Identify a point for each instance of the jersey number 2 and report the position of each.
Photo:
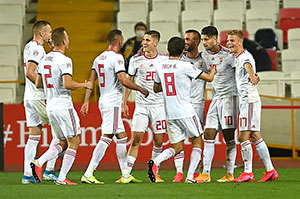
(102, 84)
(170, 84)
(49, 75)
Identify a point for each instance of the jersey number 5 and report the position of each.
(102, 84)
(170, 84)
(49, 75)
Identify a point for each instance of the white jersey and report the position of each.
(144, 70)
(198, 85)
(223, 84)
(52, 68)
(176, 77)
(247, 92)
(107, 65)
(33, 52)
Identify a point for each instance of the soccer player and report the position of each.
(173, 77)
(55, 74)
(223, 110)
(250, 110)
(34, 101)
(142, 68)
(109, 68)
(192, 55)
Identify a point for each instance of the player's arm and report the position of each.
(88, 92)
(30, 71)
(127, 92)
(69, 83)
(157, 87)
(209, 77)
(129, 84)
(254, 78)
(38, 81)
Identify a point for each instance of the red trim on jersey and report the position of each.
(113, 51)
(173, 58)
(213, 53)
(36, 42)
(241, 53)
(199, 55)
(57, 51)
(115, 120)
(151, 57)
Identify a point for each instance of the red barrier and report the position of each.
(16, 135)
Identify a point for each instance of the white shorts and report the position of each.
(65, 123)
(222, 113)
(180, 129)
(35, 112)
(200, 111)
(249, 118)
(112, 122)
(154, 114)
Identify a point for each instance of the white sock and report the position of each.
(97, 156)
(263, 152)
(230, 156)
(194, 162)
(52, 152)
(121, 152)
(208, 155)
(165, 155)
(178, 160)
(67, 163)
(51, 163)
(156, 151)
(30, 152)
(130, 163)
(247, 155)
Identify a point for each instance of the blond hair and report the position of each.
(238, 33)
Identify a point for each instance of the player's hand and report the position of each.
(254, 79)
(125, 110)
(145, 92)
(89, 85)
(84, 108)
(212, 70)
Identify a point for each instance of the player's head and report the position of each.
(175, 46)
(235, 41)
(115, 38)
(60, 38)
(209, 36)
(150, 40)
(191, 40)
(140, 28)
(42, 29)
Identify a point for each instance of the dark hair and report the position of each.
(195, 32)
(238, 33)
(175, 46)
(140, 24)
(111, 37)
(209, 31)
(153, 33)
(38, 25)
(58, 35)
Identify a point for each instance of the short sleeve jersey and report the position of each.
(33, 52)
(198, 85)
(52, 68)
(144, 70)
(175, 77)
(247, 92)
(107, 65)
(223, 84)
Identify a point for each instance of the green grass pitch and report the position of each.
(287, 186)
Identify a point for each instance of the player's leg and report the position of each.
(229, 137)
(50, 174)
(137, 138)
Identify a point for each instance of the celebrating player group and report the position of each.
(170, 97)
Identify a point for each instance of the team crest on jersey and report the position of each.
(212, 59)
(35, 53)
(221, 58)
(120, 62)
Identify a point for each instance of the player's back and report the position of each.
(107, 65)
(144, 69)
(176, 77)
(33, 52)
(52, 68)
(224, 81)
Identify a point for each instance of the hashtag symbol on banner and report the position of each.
(7, 133)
